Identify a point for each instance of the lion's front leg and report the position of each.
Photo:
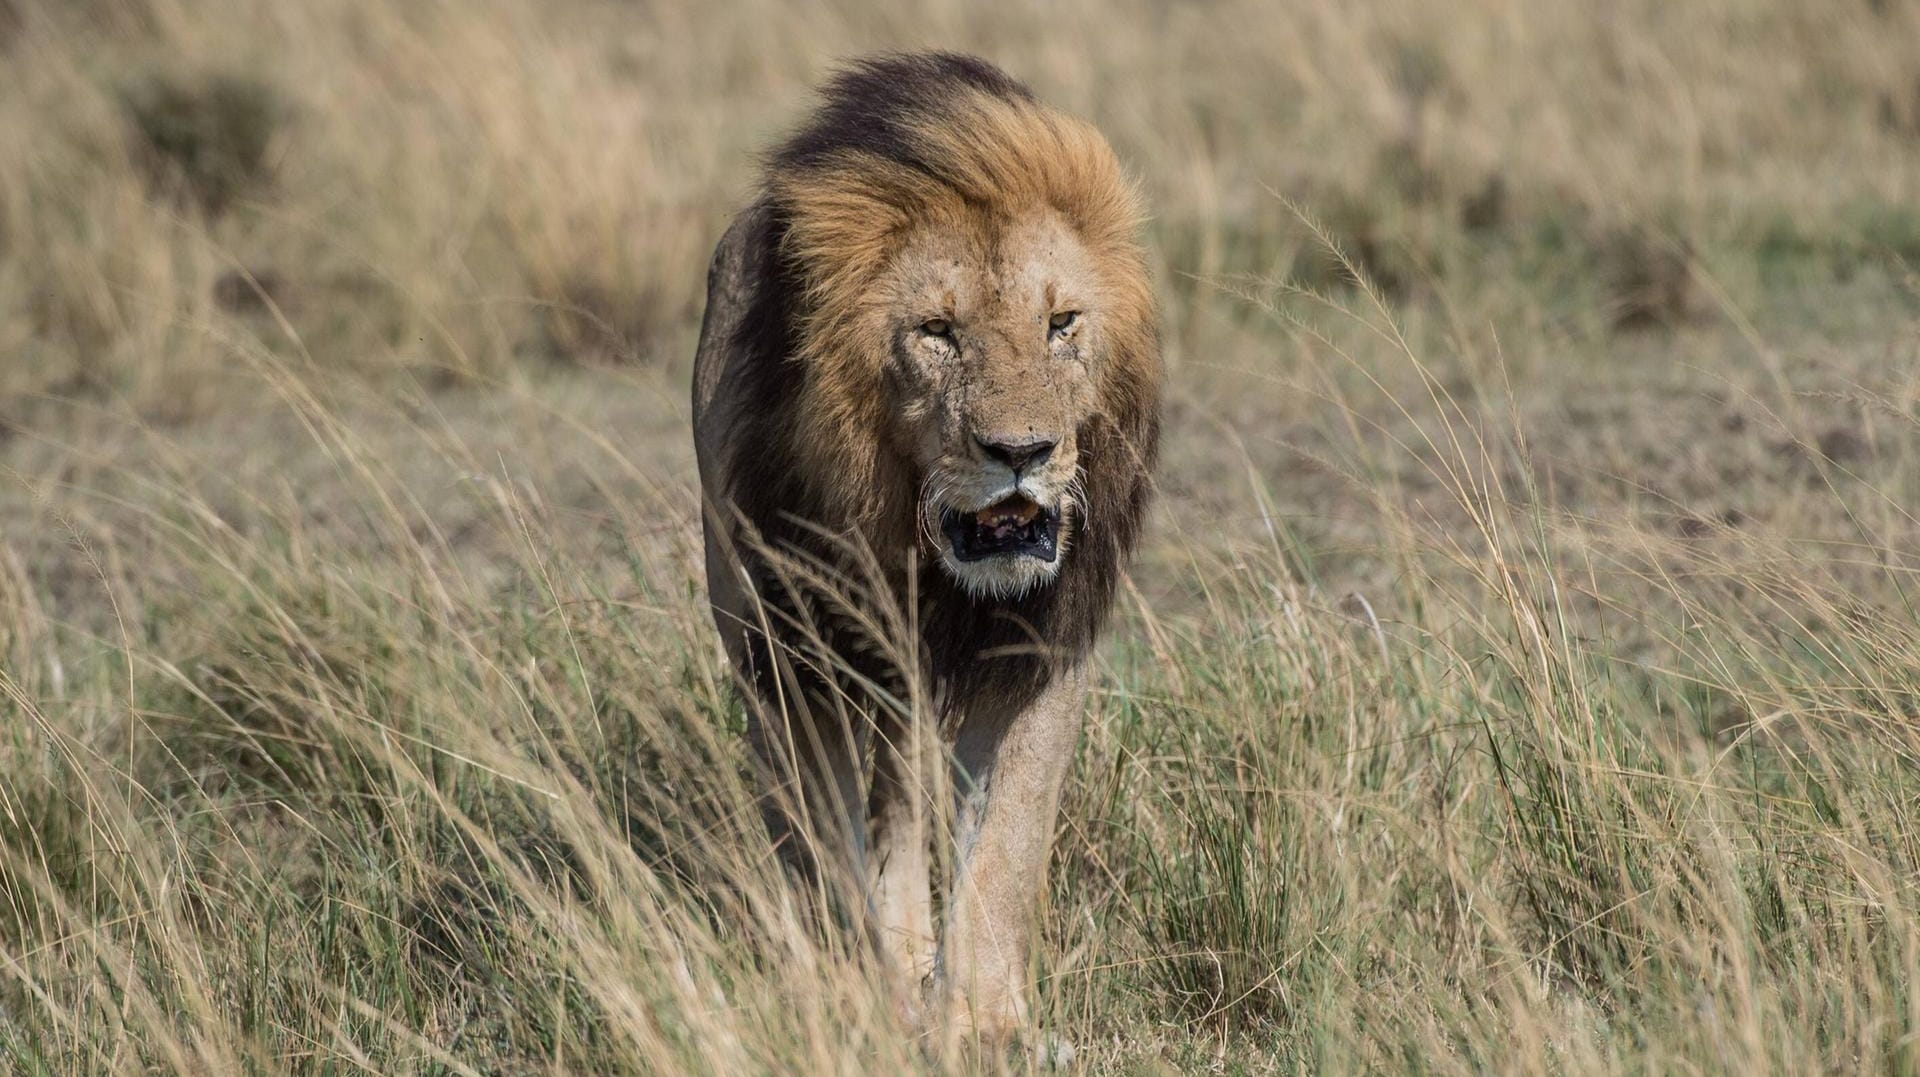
(816, 803)
(1010, 774)
(901, 855)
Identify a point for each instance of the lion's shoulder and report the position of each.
(731, 291)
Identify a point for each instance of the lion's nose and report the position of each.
(1017, 453)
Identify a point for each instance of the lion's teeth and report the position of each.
(1013, 510)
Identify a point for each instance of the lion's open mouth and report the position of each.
(1015, 527)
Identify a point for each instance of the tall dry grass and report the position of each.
(1518, 677)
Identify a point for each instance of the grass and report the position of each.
(1518, 674)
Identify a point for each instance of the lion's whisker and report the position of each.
(931, 500)
(1077, 493)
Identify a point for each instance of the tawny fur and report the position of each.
(830, 434)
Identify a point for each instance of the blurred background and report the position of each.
(460, 192)
(1604, 205)
(1518, 669)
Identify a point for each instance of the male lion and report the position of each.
(928, 380)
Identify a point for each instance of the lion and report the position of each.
(926, 413)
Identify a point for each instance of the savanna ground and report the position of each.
(1521, 672)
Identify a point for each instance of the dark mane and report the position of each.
(871, 106)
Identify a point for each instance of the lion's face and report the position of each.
(996, 341)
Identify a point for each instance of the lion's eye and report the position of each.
(1063, 321)
(936, 327)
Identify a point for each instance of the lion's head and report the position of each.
(975, 329)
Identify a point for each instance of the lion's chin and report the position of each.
(1004, 550)
(1000, 578)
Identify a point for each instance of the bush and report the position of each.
(204, 138)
